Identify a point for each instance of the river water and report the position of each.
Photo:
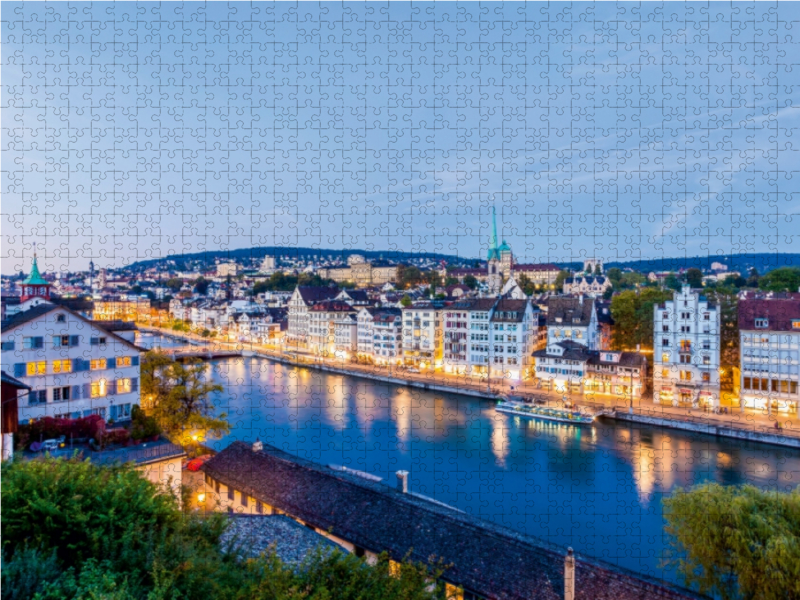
(596, 488)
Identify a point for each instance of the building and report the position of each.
(422, 334)
(121, 310)
(228, 269)
(513, 330)
(586, 285)
(34, 285)
(362, 272)
(466, 336)
(769, 330)
(499, 260)
(365, 516)
(267, 265)
(574, 319)
(73, 366)
(686, 350)
(303, 298)
(345, 336)
(387, 334)
(322, 318)
(10, 388)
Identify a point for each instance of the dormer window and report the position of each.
(762, 323)
(60, 318)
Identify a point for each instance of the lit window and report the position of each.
(99, 389)
(123, 386)
(97, 364)
(62, 366)
(36, 368)
(123, 361)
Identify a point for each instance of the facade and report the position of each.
(321, 325)
(227, 269)
(387, 333)
(588, 285)
(121, 310)
(300, 302)
(465, 335)
(769, 330)
(513, 329)
(74, 367)
(267, 265)
(345, 336)
(422, 335)
(686, 351)
(10, 389)
(364, 333)
(361, 272)
(573, 319)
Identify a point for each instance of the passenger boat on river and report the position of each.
(521, 408)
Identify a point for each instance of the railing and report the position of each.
(124, 455)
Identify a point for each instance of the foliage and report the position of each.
(728, 302)
(49, 427)
(470, 282)
(672, 282)
(73, 530)
(632, 311)
(408, 277)
(280, 282)
(525, 284)
(201, 285)
(736, 542)
(177, 396)
(614, 275)
(694, 277)
(406, 301)
(143, 426)
(174, 283)
(562, 275)
(785, 279)
(753, 278)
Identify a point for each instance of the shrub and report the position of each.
(26, 572)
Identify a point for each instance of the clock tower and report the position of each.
(35, 285)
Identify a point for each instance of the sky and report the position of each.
(133, 131)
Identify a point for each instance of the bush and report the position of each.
(75, 530)
(142, 426)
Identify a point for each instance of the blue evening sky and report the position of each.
(136, 130)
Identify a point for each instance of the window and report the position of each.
(36, 368)
(665, 328)
(7, 346)
(97, 364)
(216, 486)
(61, 318)
(665, 357)
(359, 552)
(32, 343)
(97, 341)
(706, 377)
(259, 507)
(762, 323)
(123, 361)
(686, 359)
(124, 386)
(686, 375)
(686, 346)
(244, 499)
(665, 343)
(795, 325)
(61, 394)
(664, 373)
(231, 493)
(37, 397)
(706, 360)
(65, 341)
(62, 366)
(99, 389)
(746, 384)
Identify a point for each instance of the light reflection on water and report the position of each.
(597, 488)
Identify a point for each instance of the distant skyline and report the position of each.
(135, 130)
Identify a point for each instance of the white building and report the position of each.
(387, 330)
(267, 265)
(465, 335)
(228, 269)
(513, 328)
(301, 301)
(769, 330)
(345, 336)
(574, 319)
(422, 334)
(322, 318)
(74, 367)
(686, 350)
(588, 285)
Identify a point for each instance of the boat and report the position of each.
(561, 415)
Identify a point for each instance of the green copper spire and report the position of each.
(35, 278)
(493, 240)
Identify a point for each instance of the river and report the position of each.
(596, 488)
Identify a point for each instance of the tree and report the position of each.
(734, 281)
(598, 271)
(736, 542)
(694, 277)
(201, 285)
(174, 283)
(672, 282)
(753, 278)
(408, 276)
(632, 279)
(614, 275)
(406, 301)
(562, 275)
(632, 311)
(728, 302)
(785, 279)
(525, 284)
(177, 396)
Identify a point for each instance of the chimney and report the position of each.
(257, 446)
(402, 481)
(569, 575)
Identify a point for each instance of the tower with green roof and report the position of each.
(35, 286)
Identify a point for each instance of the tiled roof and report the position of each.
(312, 295)
(779, 312)
(568, 310)
(534, 267)
(26, 316)
(332, 306)
(509, 311)
(116, 325)
(482, 304)
(485, 558)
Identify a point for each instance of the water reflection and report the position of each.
(597, 488)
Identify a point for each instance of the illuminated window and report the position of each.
(99, 389)
(124, 361)
(36, 368)
(686, 375)
(62, 366)
(665, 357)
(123, 386)
(97, 364)
(665, 373)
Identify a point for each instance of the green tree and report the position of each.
(614, 275)
(632, 311)
(470, 281)
(174, 283)
(785, 279)
(598, 271)
(694, 277)
(728, 302)
(632, 279)
(408, 276)
(734, 281)
(562, 275)
(736, 542)
(201, 285)
(753, 278)
(177, 395)
(406, 301)
(672, 282)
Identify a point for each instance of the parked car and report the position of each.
(412, 370)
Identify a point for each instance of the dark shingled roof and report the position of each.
(509, 311)
(779, 312)
(312, 295)
(482, 304)
(568, 310)
(116, 325)
(486, 558)
(26, 316)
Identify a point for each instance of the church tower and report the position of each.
(495, 276)
(35, 285)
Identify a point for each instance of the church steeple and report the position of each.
(35, 286)
(493, 253)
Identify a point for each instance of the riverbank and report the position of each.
(746, 426)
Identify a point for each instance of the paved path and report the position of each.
(749, 419)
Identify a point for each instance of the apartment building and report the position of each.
(769, 330)
(465, 335)
(73, 366)
(513, 330)
(303, 298)
(345, 335)
(322, 318)
(686, 350)
(387, 335)
(422, 334)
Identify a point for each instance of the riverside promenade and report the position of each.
(750, 425)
